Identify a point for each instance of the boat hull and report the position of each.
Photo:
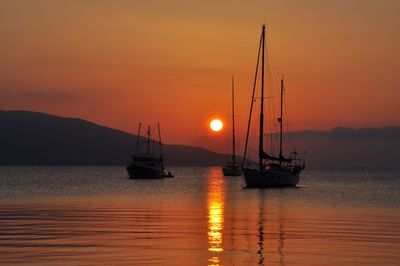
(231, 171)
(254, 178)
(144, 172)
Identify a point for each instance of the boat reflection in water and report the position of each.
(261, 233)
(215, 206)
(271, 231)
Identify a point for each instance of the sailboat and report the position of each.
(147, 164)
(232, 168)
(272, 171)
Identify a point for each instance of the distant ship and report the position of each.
(147, 164)
(232, 168)
(272, 171)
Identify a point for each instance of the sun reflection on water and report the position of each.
(215, 205)
(215, 224)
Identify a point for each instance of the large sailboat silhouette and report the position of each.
(272, 171)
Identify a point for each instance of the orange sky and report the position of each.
(120, 62)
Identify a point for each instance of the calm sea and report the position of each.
(97, 216)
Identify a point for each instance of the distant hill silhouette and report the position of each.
(31, 138)
(341, 147)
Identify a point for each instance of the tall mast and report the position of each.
(280, 120)
(233, 121)
(160, 143)
(137, 138)
(148, 140)
(261, 142)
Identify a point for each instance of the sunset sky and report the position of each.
(117, 63)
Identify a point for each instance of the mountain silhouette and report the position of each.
(32, 138)
(341, 147)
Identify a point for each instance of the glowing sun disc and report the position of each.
(216, 125)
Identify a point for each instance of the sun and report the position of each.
(216, 125)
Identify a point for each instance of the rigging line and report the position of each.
(271, 106)
(252, 153)
(137, 139)
(288, 133)
(252, 100)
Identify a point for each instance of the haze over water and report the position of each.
(97, 216)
